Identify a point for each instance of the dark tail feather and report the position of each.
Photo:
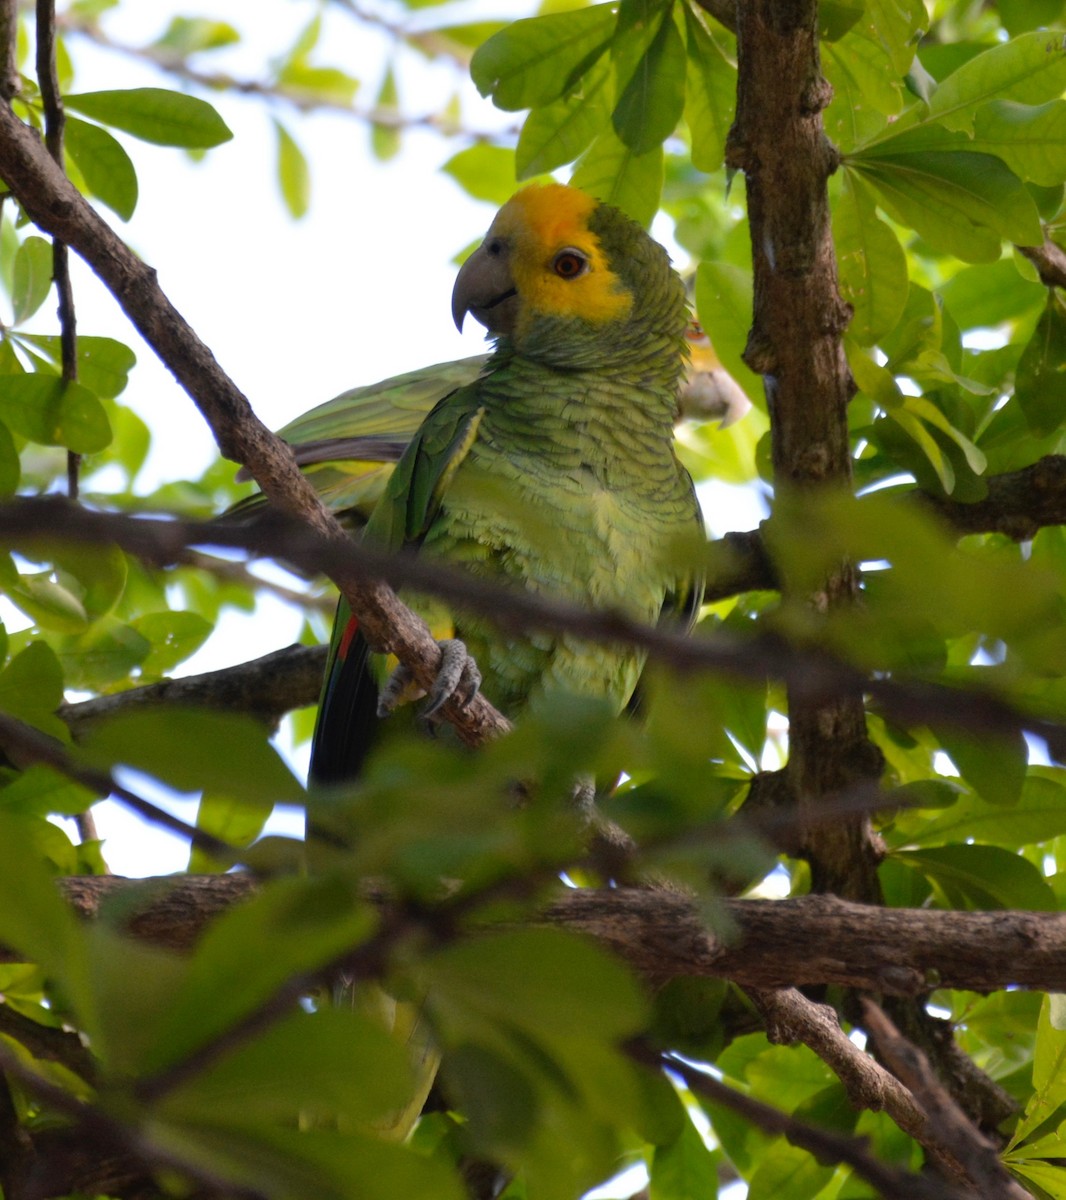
(347, 718)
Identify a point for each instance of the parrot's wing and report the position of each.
(347, 712)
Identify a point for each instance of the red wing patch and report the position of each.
(350, 630)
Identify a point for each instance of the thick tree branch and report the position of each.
(266, 688)
(56, 206)
(807, 941)
(1049, 260)
(796, 344)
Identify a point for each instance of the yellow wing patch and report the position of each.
(540, 221)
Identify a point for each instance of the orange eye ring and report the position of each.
(569, 264)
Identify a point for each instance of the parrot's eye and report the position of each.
(569, 264)
(494, 247)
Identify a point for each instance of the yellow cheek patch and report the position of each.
(541, 220)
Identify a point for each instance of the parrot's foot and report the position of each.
(457, 676)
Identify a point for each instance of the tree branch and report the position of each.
(807, 941)
(1049, 260)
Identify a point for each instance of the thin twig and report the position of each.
(890, 1182)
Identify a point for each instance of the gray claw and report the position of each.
(458, 676)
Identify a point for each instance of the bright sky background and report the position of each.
(295, 312)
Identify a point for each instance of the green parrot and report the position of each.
(553, 468)
(348, 446)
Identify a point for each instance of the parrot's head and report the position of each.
(566, 279)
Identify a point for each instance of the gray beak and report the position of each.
(484, 288)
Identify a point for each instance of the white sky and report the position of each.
(295, 312)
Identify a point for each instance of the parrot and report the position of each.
(347, 446)
(553, 469)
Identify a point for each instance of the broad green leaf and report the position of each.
(865, 90)
(873, 267)
(103, 364)
(384, 137)
(100, 574)
(155, 115)
(650, 104)
(485, 172)
(535, 61)
(33, 277)
(10, 467)
(105, 166)
(979, 877)
(31, 688)
(993, 766)
(1040, 383)
(684, 1168)
(47, 410)
(893, 25)
(236, 822)
(1038, 816)
(104, 654)
(928, 412)
(962, 203)
(1050, 1179)
(327, 1065)
(34, 921)
(836, 17)
(724, 303)
(1049, 1076)
(612, 172)
(555, 134)
(1030, 69)
(194, 749)
(710, 95)
(290, 928)
(42, 791)
(990, 294)
(791, 1172)
(193, 35)
(540, 980)
(294, 175)
(1030, 140)
(173, 636)
(49, 603)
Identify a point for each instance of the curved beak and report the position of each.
(485, 289)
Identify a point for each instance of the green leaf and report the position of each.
(535, 61)
(105, 166)
(555, 134)
(236, 822)
(103, 364)
(710, 95)
(980, 877)
(684, 1168)
(10, 467)
(327, 1065)
(32, 278)
(385, 138)
(291, 927)
(894, 26)
(865, 90)
(538, 979)
(185, 36)
(1038, 816)
(788, 1171)
(173, 636)
(194, 749)
(724, 303)
(612, 172)
(42, 791)
(991, 294)
(47, 410)
(962, 203)
(1040, 382)
(155, 115)
(1030, 140)
(485, 172)
(31, 688)
(48, 603)
(1030, 69)
(1049, 1076)
(34, 921)
(294, 176)
(653, 98)
(102, 655)
(873, 267)
(993, 766)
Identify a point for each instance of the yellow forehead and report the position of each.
(541, 220)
